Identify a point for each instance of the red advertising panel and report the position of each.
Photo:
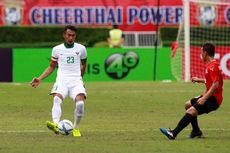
(209, 14)
(130, 15)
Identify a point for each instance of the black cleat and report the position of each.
(197, 134)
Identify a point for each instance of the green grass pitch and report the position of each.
(120, 117)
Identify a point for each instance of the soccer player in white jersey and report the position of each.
(71, 58)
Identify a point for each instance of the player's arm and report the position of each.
(83, 66)
(36, 81)
(197, 80)
(209, 93)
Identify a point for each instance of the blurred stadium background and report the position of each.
(154, 30)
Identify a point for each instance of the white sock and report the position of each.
(78, 113)
(56, 110)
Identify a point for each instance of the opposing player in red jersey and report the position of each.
(209, 101)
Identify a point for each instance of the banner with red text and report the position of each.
(130, 15)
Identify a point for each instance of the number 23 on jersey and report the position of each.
(70, 59)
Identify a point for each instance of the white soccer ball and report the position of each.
(65, 127)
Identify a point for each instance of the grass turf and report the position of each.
(120, 117)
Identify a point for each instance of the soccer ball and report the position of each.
(65, 127)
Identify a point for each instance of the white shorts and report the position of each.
(71, 88)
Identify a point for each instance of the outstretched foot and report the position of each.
(52, 126)
(167, 133)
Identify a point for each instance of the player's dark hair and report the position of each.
(209, 48)
(71, 27)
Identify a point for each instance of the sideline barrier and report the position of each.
(104, 64)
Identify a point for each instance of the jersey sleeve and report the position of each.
(83, 53)
(54, 55)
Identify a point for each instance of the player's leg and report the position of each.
(78, 94)
(56, 109)
(59, 92)
(79, 109)
(209, 105)
(195, 128)
(78, 113)
(185, 120)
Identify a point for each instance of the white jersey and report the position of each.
(69, 60)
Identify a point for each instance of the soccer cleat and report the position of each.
(52, 126)
(197, 134)
(167, 133)
(76, 133)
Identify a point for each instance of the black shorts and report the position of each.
(209, 105)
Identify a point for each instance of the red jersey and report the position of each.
(213, 73)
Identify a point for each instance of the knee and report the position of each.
(57, 100)
(192, 111)
(188, 105)
(80, 97)
(56, 95)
